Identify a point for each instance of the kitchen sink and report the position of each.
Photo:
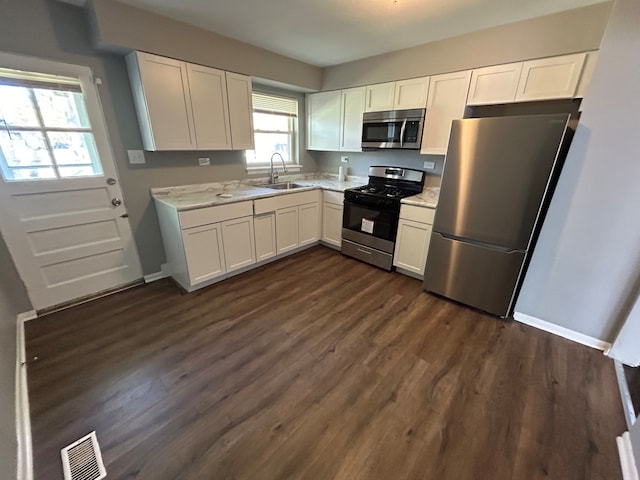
(284, 186)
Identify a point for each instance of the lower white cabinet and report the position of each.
(412, 241)
(264, 226)
(308, 223)
(238, 243)
(332, 209)
(286, 229)
(204, 252)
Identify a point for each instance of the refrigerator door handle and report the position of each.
(489, 246)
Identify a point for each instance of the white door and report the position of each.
(62, 214)
(380, 97)
(332, 224)
(412, 245)
(323, 121)
(240, 111)
(411, 93)
(548, 78)
(204, 251)
(492, 85)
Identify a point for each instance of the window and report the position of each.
(275, 127)
(44, 128)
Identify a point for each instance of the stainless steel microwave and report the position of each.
(393, 129)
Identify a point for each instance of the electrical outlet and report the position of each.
(429, 165)
(344, 159)
(136, 157)
(205, 161)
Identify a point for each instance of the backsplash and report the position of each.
(359, 162)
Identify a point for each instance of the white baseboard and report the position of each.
(625, 395)
(562, 331)
(23, 419)
(156, 276)
(627, 461)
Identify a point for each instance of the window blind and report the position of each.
(278, 105)
(18, 78)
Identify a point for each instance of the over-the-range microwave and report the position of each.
(393, 129)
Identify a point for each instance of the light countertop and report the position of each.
(190, 197)
(428, 198)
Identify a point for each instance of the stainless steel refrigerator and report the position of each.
(498, 178)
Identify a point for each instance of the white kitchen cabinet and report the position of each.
(308, 223)
(351, 110)
(549, 78)
(412, 240)
(161, 95)
(411, 93)
(264, 226)
(240, 111)
(446, 102)
(182, 106)
(491, 85)
(238, 242)
(401, 95)
(380, 97)
(324, 123)
(286, 229)
(587, 72)
(332, 209)
(209, 102)
(204, 252)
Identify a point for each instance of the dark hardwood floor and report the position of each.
(317, 367)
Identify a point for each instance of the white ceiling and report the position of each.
(329, 32)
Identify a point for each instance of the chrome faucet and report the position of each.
(273, 175)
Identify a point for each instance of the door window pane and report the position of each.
(73, 148)
(16, 108)
(31, 173)
(62, 109)
(24, 149)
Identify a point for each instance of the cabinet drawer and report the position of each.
(205, 216)
(417, 214)
(336, 198)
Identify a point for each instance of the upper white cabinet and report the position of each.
(160, 89)
(549, 78)
(380, 97)
(496, 84)
(446, 102)
(324, 123)
(210, 107)
(334, 120)
(411, 93)
(587, 72)
(183, 106)
(351, 110)
(401, 95)
(240, 111)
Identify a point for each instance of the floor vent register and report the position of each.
(82, 460)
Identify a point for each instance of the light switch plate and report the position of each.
(205, 161)
(429, 165)
(344, 159)
(136, 157)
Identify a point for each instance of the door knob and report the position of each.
(116, 202)
(111, 181)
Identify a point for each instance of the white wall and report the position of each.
(13, 299)
(572, 31)
(626, 347)
(587, 259)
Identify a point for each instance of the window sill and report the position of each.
(266, 169)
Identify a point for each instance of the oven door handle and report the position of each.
(404, 125)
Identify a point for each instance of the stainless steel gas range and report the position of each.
(371, 213)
